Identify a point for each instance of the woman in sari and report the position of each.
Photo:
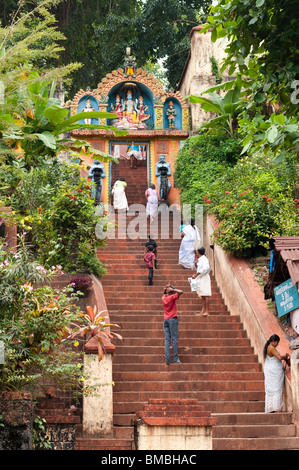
(152, 202)
(204, 281)
(190, 242)
(119, 195)
(274, 375)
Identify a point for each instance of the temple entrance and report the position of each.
(133, 160)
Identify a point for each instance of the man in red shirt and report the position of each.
(171, 322)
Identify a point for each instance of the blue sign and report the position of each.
(286, 297)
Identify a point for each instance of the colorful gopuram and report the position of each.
(156, 122)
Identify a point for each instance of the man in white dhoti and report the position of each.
(274, 375)
(190, 242)
(119, 195)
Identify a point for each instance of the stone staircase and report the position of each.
(218, 366)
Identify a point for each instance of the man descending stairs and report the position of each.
(218, 366)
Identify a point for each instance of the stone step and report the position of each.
(104, 444)
(184, 343)
(177, 385)
(271, 443)
(230, 406)
(220, 367)
(254, 431)
(202, 396)
(124, 349)
(146, 331)
(167, 376)
(132, 358)
(257, 419)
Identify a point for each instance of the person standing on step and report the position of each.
(190, 242)
(171, 322)
(151, 202)
(153, 243)
(274, 375)
(149, 259)
(119, 195)
(203, 277)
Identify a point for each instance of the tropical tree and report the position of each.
(39, 132)
(262, 47)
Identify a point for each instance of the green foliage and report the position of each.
(227, 107)
(34, 324)
(35, 133)
(40, 441)
(262, 39)
(202, 160)
(252, 197)
(29, 41)
(253, 201)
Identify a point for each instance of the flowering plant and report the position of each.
(33, 323)
(252, 203)
(95, 325)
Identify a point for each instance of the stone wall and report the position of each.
(243, 297)
(197, 75)
(16, 421)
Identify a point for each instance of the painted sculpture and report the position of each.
(130, 64)
(131, 114)
(88, 109)
(97, 173)
(171, 114)
(141, 110)
(163, 171)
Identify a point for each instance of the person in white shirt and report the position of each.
(204, 280)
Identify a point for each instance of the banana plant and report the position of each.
(36, 132)
(227, 107)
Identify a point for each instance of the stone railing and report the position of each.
(244, 297)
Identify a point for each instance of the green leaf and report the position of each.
(82, 116)
(272, 134)
(55, 114)
(259, 3)
(291, 128)
(280, 119)
(48, 139)
(260, 97)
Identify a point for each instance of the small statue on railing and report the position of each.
(163, 171)
(97, 173)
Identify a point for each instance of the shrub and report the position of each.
(253, 202)
(202, 160)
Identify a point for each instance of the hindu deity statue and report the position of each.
(130, 112)
(87, 109)
(117, 109)
(163, 171)
(171, 114)
(141, 111)
(97, 173)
